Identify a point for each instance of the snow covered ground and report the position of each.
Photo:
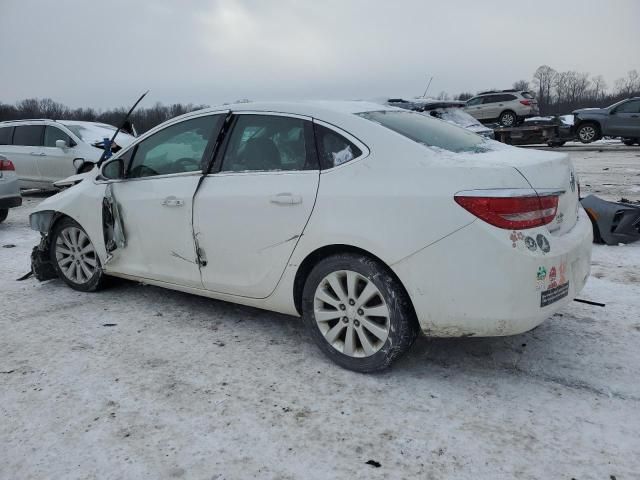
(140, 382)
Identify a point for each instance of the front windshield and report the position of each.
(427, 131)
(94, 132)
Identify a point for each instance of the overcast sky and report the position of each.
(104, 53)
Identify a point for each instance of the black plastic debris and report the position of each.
(373, 463)
(109, 324)
(613, 222)
(8, 245)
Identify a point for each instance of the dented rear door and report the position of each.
(249, 215)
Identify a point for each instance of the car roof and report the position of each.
(62, 122)
(321, 109)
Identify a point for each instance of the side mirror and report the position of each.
(61, 144)
(113, 170)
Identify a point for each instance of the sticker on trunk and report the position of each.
(554, 294)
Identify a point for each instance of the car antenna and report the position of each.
(427, 89)
(107, 148)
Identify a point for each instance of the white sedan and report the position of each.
(371, 222)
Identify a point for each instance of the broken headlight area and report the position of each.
(41, 221)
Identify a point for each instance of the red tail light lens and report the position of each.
(526, 102)
(513, 213)
(7, 165)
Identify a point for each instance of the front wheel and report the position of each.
(74, 257)
(358, 313)
(508, 119)
(587, 132)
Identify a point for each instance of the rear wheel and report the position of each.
(587, 132)
(508, 119)
(358, 313)
(630, 141)
(74, 257)
(3, 214)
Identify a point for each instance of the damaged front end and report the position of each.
(41, 266)
(613, 222)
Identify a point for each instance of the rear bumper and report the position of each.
(10, 202)
(480, 282)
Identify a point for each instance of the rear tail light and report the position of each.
(526, 102)
(513, 213)
(6, 165)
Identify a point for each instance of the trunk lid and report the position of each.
(555, 172)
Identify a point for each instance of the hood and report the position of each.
(597, 111)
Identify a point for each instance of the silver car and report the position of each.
(43, 151)
(9, 189)
(507, 107)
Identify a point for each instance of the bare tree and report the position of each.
(544, 79)
(629, 85)
(443, 96)
(599, 86)
(464, 96)
(521, 85)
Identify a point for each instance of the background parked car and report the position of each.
(43, 151)
(508, 107)
(9, 190)
(449, 111)
(621, 119)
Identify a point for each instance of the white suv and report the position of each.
(508, 107)
(43, 151)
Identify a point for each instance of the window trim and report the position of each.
(356, 141)
(62, 129)
(13, 129)
(216, 166)
(134, 146)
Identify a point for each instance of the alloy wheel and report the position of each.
(76, 255)
(351, 313)
(508, 120)
(587, 133)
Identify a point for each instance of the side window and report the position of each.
(268, 142)
(51, 134)
(175, 149)
(28, 135)
(506, 98)
(5, 135)
(475, 101)
(333, 148)
(629, 107)
(490, 99)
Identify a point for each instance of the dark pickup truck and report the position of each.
(621, 119)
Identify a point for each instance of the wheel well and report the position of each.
(595, 123)
(321, 253)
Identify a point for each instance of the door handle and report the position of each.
(172, 202)
(36, 154)
(285, 199)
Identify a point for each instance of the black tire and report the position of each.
(508, 118)
(630, 141)
(3, 214)
(403, 326)
(588, 132)
(89, 284)
(556, 143)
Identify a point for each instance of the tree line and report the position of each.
(560, 93)
(142, 118)
(557, 93)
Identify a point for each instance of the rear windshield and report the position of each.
(427, 131)
(527, 95)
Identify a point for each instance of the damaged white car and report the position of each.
(371, 222)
